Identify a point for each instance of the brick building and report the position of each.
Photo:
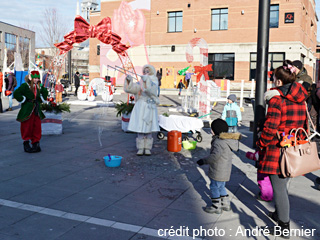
(160, 32)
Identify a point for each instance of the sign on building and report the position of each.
(289, 17)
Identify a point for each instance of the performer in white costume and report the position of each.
(144, 116)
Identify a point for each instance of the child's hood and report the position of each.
(231, 139)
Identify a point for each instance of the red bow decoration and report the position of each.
(83, 30)
(203, 70)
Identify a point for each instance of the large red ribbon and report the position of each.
(83, 30)
(203, 70)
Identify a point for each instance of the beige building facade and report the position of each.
(16, 39)
(173, 35)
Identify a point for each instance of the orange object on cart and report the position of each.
(174, 141)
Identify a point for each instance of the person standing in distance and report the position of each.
(76, 82)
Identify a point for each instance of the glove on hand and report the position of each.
(129, 78)
(200, 162)
(144, 78)
(239, 124)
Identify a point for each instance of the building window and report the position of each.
(222, 65)
(274, 60)
(219, 19)
(318, 50)
(174, 21)
(98, 49)
(274, 16)
(11, 45)
(24, 50)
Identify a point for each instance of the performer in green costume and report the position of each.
(30, 95)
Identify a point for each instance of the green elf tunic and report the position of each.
(31, 103)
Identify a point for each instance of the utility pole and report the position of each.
(262, 63)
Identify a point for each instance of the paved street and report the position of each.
(66, 192)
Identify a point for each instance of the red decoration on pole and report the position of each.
(203, 70)
(83, 30)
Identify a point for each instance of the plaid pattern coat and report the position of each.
(285, 111)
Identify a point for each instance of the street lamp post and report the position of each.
(262, 63)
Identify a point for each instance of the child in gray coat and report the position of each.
(220, 164)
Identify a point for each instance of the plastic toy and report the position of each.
(287, 140)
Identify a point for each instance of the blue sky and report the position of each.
(30, 13)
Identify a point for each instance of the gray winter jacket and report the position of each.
(220, 158)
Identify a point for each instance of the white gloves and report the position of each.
(144, 78)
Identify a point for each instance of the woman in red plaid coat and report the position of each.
(286, 110)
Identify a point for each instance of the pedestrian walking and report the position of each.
(286, 111)
(144, 116)
(304, 78)
(45, 79)
(232, 114)
(11, 83)
(220, 164)
(264, 183)
(159, 76)
(76, 82)
(180, 87)
(30, 95)
(59, 90)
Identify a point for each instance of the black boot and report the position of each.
(27, 147)
(273, 216)
(282, 230)
(36, 147)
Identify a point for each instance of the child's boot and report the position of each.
(148, 146)
(215, 207)
(140, 146)
(225, 203)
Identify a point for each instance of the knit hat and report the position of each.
(297, 64)
(232, 97)
(35, 74)
(218, 126)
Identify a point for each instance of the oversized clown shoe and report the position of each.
(91, 96)
(82, 91)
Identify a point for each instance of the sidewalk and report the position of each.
(65, 192)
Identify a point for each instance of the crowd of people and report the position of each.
(287, 103)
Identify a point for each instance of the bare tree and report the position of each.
(53, 29)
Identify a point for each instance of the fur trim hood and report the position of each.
(270, 94)
(152, 69)
(235, 136)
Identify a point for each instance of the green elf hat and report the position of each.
(35, 74)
